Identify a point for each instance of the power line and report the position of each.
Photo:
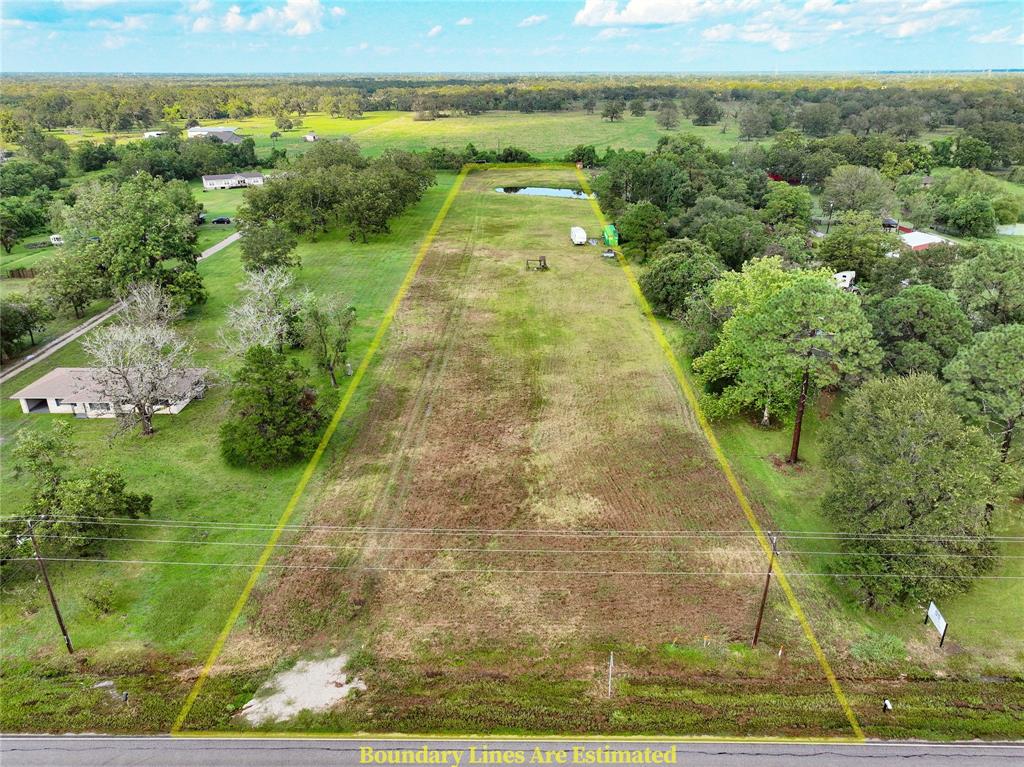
(498, 532)
(515, 571)
(491, 550)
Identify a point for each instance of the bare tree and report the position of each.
(147, 303)
(259, 320)
(143, 365)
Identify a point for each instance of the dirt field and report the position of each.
(532, 493)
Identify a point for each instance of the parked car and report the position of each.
(222, 220)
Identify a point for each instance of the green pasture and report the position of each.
(126, 617)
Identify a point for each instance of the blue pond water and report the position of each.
(542, 191)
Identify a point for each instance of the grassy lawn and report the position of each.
(548, 135)
(141, 624)
(216, 203)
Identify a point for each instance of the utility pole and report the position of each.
(49, 589)
(611, 665)
(764, 594)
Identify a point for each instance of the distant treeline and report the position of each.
(821, 105)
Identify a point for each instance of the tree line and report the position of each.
(732, 255)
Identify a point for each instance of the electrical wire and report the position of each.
(498, 532)
(516, 571)
(489, 550)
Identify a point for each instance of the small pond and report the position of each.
(542, 191)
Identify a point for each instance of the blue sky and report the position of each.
(509, 36)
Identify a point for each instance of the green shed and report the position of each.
(611, 236)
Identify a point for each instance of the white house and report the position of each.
(56, 239)
(77, 391)
(232, 180)
(311, 136)
(154, 134)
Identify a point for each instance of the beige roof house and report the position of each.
(77, 391)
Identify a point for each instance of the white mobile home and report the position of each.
(77, 392)
(232, 180)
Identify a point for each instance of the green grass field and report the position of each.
(130, 619)
(548, 135)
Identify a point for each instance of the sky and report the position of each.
(488, 36)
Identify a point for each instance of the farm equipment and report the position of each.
(537, 264)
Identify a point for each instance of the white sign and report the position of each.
(937, 620)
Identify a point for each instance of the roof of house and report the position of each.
(228, 137)
(917, 239)
(232, 176)
(212, 128)
(82, 385)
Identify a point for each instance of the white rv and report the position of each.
(578, 235)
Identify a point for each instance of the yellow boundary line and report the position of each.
(723, 462)
(300, 488)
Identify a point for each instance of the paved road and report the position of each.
(30, 751)
(58, 343)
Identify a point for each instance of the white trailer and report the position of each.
(578, 235)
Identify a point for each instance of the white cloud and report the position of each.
(296, 18)
(233, 20)
(435, 30)
(87, 5)
(112, 41)
(203, 24)
(610, 33)
(200, 6)
(1004, 35)
(337, 12)
(16, 24)
(532, 21)
(128, 23)
(599, 13)
(778, 39)
(465, 21)
(719, 33)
